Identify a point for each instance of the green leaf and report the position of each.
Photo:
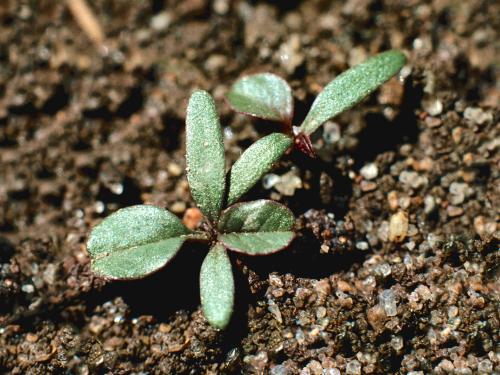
(217, 287)
(135, 241)
(351, 87)
(205, 154)
(262, 95)
(256, 228)
(256, 161)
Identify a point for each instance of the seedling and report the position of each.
(136, 241)
(269, 97)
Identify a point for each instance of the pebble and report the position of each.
(269, 180)
(412, 179)
(192, 218)
(369, 171)
(429, 204)
(485, 367)
(161, 21)
(383, 269)
(215, 63)
(397, 343)
(433, 122)
(288, 183)
(434, 108)
(367, 186)
(331, 132)
(28, 288)
(362, 245)
(279, 370)
(477, 115)
(290, 55)
(459, 191)
(484, 227)
(392, 199)
(221, 7)
(387, 300)
(454, 211)
(274, 309)
(331, 371)
(398, 226)
(178, 207)
(353, 368)
(174, 169)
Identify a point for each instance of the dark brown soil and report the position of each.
(395, 268)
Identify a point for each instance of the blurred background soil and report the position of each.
(395, 268)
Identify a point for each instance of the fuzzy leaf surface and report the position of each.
(217, 287)
(351, 87)
(256, 161)
(256, 228)
(135, 241)
(263, 95)
(205, 154)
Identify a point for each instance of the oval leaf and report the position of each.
(262, 95)
(135, 241)
(205, 154)
(256, 228)
(217, 287)
(350, 87)
(256, 161)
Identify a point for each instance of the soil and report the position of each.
(395, 266)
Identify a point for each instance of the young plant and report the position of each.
(136, 241)
(269, 97)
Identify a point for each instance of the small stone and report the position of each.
(269, 180)
(397, 343)
(434, 108)
(412, 179)
(221, 7)
(28, 288)
(398, 226)
(376, 317)
(161, 21)
(369, 171)
(392, 198)
(433, 122)
(383, 269)
(454, 211)
(446, 365)
(477, 115)
(362, 245)
(424, 292)
(320, 312)
(192, 218)
(367, 186)
(215, 63)
(178, 207)
(485, 367)
(483, 227)
(275, 310)
(331, 132)
(299, 336)
(256, 363)
(387, 300)
(31, 338)
(174, 169)
(458, 191)
(49, 275)
(288, 183)
(290, 55)
(353, 368)
(429, 204)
